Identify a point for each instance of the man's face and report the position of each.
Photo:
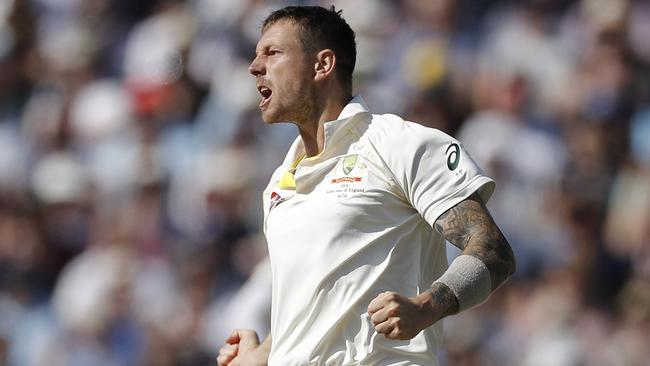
(283, 74)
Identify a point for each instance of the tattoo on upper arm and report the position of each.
(469, 226)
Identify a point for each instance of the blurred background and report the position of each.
(133, 156)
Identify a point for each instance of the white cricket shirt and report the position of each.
(355, 221)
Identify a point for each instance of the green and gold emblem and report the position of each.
(348, 163)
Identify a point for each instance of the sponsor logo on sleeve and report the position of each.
(453, 156)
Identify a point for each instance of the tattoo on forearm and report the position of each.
(469, 226)
(444, 298)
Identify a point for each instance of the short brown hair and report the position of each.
(323, 28)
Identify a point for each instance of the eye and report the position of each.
(273, 51)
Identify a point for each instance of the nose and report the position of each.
(256, 68)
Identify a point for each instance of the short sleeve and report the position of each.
(433, 169)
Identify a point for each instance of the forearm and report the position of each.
(491, 247)
(439, 302)
(486, 260)
(466, 283)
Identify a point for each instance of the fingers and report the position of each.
(391, 315)
(385, 326)
(381, 309)
(226, 354)
(385, 321)
(240, 335)
(380, 301)
(233, 338)
(248, 340)
(245, 338)
(239, 341)
(382, 315)
(392, 329)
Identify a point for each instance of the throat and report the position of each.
(312, 128)
(313, 139)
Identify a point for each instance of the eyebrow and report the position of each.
(266, 46)
(261, 49)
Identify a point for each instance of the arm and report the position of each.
(243, 348)
(470, 227)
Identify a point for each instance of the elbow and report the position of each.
(504, 267)
(510, 262)
(505, 263)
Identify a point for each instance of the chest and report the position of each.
(344, 196)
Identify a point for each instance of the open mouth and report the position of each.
(266, 95)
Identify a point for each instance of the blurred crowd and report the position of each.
(133, 156)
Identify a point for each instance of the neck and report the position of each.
(312, 131)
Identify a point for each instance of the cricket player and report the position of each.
(357, 215)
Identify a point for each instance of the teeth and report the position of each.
(266, 92)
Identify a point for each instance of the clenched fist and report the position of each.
(400, 317)
(242, 348)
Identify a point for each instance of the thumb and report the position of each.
(247, 339)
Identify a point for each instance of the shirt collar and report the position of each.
(334, 131)
(355, 106)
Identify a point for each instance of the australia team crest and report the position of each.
(349, 162)
(351, 167)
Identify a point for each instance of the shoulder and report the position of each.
(393, 135)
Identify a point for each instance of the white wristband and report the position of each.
(469, 279)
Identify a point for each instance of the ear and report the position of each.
(325, 63)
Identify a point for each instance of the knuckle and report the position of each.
(397, 332)
(242, 332)
(393, 311)
(381, 329)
